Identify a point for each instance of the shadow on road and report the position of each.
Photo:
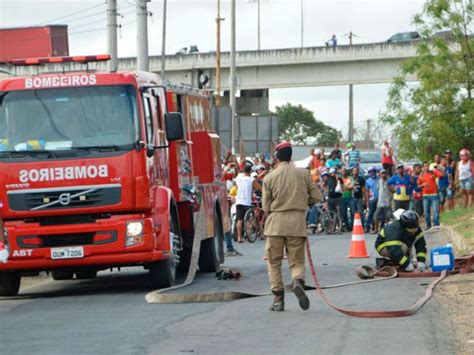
(106, 283)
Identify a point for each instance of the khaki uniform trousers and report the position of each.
(274, 250)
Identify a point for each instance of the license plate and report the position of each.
(67, 253)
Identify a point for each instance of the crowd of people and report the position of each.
(428, 188)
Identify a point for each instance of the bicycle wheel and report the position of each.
(331, 222)
(251, 226)
(262, 216)
(336, 222)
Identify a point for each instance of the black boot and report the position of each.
(278, 304)
(298, 290)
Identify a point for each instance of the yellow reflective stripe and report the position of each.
(382, 233)
(419, 236)
(421, 254)
(403, 260)
(388, 244)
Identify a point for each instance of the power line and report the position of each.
(87, 23)
(86, 31)
(71, 14)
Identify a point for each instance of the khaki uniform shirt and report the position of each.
(287, 192)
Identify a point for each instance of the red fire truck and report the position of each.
(102, 170)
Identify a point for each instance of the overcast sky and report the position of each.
(193, 22)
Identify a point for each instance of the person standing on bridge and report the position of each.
(331, 42)
(287, 192)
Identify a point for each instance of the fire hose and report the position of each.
(367, 273)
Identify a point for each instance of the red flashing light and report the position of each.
(79, 59)
(56, 59)
(32, 61)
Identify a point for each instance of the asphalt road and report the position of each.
(109, 315)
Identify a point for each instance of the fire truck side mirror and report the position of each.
(174, 126)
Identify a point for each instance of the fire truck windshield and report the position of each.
(68, 119)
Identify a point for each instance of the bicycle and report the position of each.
(330, 221)
(254, 221)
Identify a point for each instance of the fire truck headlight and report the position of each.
(134, 228)
(134, 233)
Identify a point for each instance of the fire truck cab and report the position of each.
(102, 170)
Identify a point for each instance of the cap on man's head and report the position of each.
(382, 171)
(447, 151)
(282, 145)
(399, 166)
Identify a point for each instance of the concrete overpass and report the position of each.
(275, 68)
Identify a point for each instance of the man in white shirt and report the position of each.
(246, 185)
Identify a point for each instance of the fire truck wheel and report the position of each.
(9, 283)
(60, 275)
(185, 258)
(209, 257)
(84, 275)
(163, 273)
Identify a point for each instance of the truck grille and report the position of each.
(66, 240)
(63, 240)
(61, 198)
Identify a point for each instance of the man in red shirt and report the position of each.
(429, 188)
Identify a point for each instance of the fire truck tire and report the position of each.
(9, 283)
(185, 258)
(208, 258)
(162, 273)
(84, 275)
(211, 249)
(59, 275)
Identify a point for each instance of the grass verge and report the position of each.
(462, 221)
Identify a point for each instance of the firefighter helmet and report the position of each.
(409, 219)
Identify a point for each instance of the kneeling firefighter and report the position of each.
(396, 240)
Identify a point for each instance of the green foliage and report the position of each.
(437, 112)
(297, 124)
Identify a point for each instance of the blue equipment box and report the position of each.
(442, 258)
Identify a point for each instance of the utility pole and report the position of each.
(142, 35)
(232, 75)
(112, 35)
(218, 53)
(258, 23)
(163, 42)
(302, 25)
(367, 133)
(351, 103)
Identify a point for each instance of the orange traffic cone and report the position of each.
(358, 247)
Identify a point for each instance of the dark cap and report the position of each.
(282, 145)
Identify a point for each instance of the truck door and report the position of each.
(155, 136)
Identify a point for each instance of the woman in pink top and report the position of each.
(387, 157)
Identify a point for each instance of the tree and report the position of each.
(438, 112)
(298, 124)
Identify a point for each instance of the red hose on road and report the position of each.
(381, 314)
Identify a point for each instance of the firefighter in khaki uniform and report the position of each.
(287, 192)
